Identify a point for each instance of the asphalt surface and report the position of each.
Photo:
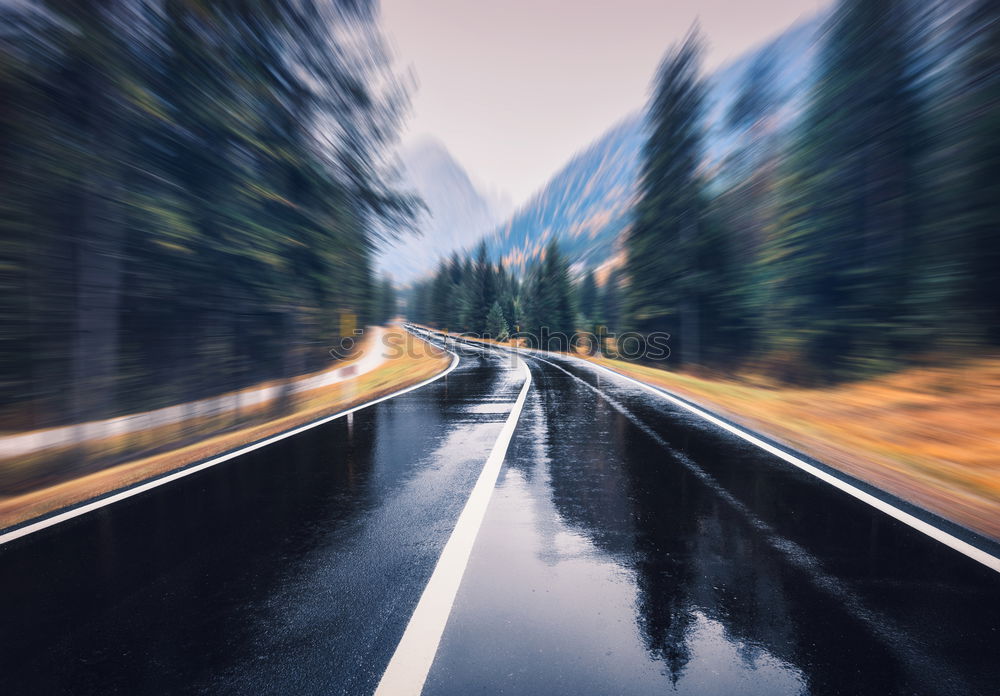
(634, 548)
(293, 569)
(629, 547)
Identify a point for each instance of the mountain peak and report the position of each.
(458, 211)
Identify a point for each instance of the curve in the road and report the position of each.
(294, 569)
(65, 515)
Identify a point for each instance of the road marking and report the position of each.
(880, 625)
(965, 548)
(412, 660)
(148, 485)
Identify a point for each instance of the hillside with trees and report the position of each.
(588, 205)
(815, 217)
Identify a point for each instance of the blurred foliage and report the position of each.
(663, 246)
(474, 295)
(847, 255)
(191, 194)
(384, 305)
(496, 324)
(681, 265)
(866, 238)
(850, 234)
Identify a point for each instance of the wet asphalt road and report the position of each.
(293, 569)
(629, 548)
(633, 548)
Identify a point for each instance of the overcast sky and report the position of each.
(515, 87)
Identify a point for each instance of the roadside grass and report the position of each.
(50, 491)
(929, 435)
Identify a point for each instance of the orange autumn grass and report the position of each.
(929, 435)
(418, 363)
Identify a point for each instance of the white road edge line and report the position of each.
(143, 487)
(939, 535)
(963, 547)
(411, 662)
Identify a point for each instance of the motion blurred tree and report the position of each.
(386, 302)
(756, 93)
(611, 303)
(466, 306)
(508, 295)
(418, 303)
(958, 294)
(983, 75)
(588, 297)
(482, 291)
(842, 266)
(664, 277)
(496, 325)
(442, 295)
(550, 315)
(195, 192)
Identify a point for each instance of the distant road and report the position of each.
(628, 547)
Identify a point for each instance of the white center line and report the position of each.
(411, 663)
(963, 547)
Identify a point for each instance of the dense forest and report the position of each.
(192, 192)
(476, 296)
(867, 238)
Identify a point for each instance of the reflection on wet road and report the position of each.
(629, 548)
(293, 569)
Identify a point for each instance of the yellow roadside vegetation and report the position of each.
(929, 435)
(410, 362)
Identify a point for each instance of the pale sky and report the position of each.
(514, 88)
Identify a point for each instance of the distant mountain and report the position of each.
(458, 212)
(587, 205)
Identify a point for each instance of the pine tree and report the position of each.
(844, 257)
(442, 299)
(550, 312)
(588, 298)
(611, 304)
(983, 183)
(467, 301)
(507, 291)
(663, 247)
(483, 291)
(496, 325)
(755, 95)
(386, 302)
